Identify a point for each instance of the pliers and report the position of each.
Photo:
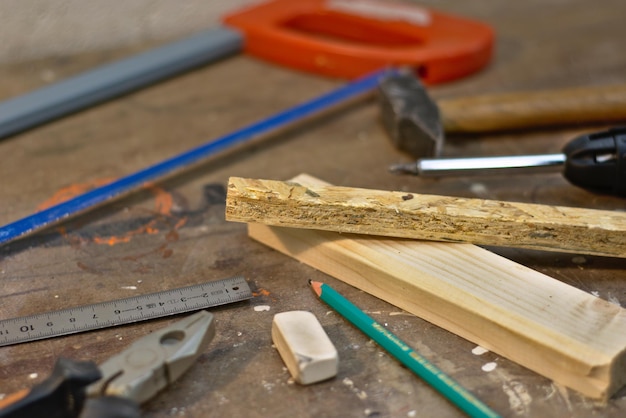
(116, 388)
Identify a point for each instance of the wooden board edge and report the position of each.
(594, 371)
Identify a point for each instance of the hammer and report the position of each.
(595, 161)
(417, 124)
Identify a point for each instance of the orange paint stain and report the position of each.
(261, 292)
(111, 241)
(163, 201)
(163, 204)
(66, 193)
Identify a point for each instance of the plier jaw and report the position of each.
(152, 363)
(116, 388)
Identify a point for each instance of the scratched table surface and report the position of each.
(173, 233)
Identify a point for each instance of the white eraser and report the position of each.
(307, 351)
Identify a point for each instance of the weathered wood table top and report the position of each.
(173, 233)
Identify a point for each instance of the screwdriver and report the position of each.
(595, 161)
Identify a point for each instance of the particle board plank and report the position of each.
(554, 329)
(427, 217)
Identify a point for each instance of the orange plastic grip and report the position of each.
(13, 397)
(350, 38)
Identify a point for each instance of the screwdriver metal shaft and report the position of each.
(595, 161)
(435, 167)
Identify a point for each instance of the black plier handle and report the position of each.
(116, 388)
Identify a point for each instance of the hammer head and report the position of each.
(409, 115)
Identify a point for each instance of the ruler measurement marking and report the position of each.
(123, 311)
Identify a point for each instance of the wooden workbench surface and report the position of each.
(173, 233)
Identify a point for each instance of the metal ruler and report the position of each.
(123, 311)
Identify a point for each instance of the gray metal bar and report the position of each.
(112, 80)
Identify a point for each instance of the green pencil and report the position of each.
(447, 386)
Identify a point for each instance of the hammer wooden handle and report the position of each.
(508, 111)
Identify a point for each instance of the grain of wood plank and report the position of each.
(554, 329)
(428, 217)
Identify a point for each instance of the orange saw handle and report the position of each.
(350, 38)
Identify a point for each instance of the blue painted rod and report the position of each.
(84, 202)
(112, 80)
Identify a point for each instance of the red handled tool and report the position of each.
(351, 38)
(336, 37)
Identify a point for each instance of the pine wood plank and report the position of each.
(428, 217)
(559, 331)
